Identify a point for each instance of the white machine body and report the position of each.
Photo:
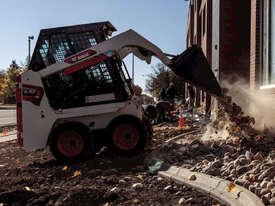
(36, 118)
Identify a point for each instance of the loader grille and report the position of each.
(60, 46)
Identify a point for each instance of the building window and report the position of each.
(203, 15)
(199, 4)
(268, 71)
(199, 31)
(202, 25)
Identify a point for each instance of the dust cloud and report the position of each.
(255, 104)
(216, 132)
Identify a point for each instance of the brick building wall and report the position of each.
(234, 40)
(222, 29)
(199, 32)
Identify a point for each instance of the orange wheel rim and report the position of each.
(125, 137)
(70, 143)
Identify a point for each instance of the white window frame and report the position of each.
(266, 46)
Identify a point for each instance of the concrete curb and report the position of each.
(8, 138)
(215, 187)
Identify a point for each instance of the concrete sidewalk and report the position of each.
(7, 117)
(5, 138)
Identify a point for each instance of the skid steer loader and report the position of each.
(77, 94)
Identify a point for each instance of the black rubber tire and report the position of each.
(134, 123)
(148, 129)
(87, 149)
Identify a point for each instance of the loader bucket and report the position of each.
(194, 68)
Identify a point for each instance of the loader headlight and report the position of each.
(109, 53)
(32, 93)
(27, 91)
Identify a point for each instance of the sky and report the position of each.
(160, 21)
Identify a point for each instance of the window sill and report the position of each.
(271, 86)
(267, 89)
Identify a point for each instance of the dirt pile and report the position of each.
(233, 124)
(229, 147)
(227, 159)
(35, 178)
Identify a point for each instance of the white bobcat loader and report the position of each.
(77, 94)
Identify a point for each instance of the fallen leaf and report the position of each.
(17, 161)
(190, 137)
(231, 187)
(93, 187)
(136, 201)
(36, 168)
(76, 173)
(65, 168)
(192, 177)
(221, 124)
(258, 138)
(251, 177)
(140, 177)
(27, 188)
(236, 140)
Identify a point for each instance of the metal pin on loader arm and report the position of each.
(169, 55)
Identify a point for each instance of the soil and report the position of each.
(36, 178)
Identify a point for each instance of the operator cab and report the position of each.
(100, 83)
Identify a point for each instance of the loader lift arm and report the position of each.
(191, 65)
(131, 42)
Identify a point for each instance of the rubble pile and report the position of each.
(229, 148)
(241, 127)
(227, 160)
